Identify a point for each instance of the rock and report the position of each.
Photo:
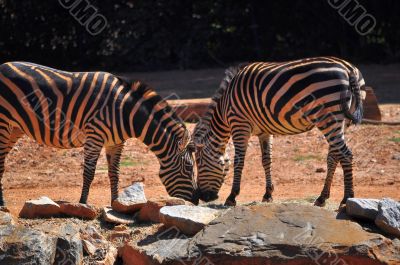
(290, 234)
(6, 219)
(287, 234)
(88, 247)
(150, 212)
(320, 170)
(44, 207)
(165, 247)
(27, 246)
(388, 218)
(112, 216)
(188, 219)
(79, 210)
(396, 157)
(110, 257)
(119, 237)
(362, 208)
(69, 245)
(131, 199)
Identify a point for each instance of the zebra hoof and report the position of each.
(267, 198)
(230, 202)
(320, 202)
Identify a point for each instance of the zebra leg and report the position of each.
(113, 154)
(240, 137)
(333, 130)
(8, 138)
(266, 149)
(92, 149)
(331, 165)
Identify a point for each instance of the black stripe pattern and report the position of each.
(278, 98)
(93, 110)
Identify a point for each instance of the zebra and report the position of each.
(93, 110)
(278, 98)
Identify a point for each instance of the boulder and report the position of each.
(79, 210)
(362, 208)
(43, 207)
(188, 219)
(69, 245)
(131, 199)
(27, 246)
(388, 218)
(291, 234)
(112, 216)
(150, 212)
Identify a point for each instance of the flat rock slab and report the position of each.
(188, 219)
(150, 212)
(112, 216)
(388, 218)
(290, 234)
(79, 210)
(43, 207)
(131, 199)
(266, 234)
(362, 208)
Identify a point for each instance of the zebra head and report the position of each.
(212, 166)
(177, 170)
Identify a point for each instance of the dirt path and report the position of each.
(33, 170)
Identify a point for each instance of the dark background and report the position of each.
(147, 35)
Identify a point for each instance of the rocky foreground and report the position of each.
(169, 231)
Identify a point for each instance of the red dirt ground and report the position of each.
(33, 170)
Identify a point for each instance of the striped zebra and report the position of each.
(278, 98)
(94, 110)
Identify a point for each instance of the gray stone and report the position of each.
(388, 218)
(362, 208)
(6, 219)
(131, 199)
(69, 244)
(112, 216)
(266, 234)
(43, 207)
(188, 219)
(27, 246)
(169, 246)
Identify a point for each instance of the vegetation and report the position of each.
(159, 34)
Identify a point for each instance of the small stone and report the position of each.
(396, 157)
(110, 258)
(6, 219)
(120, 236)
(187, 219)
(4, 209)
(150, 212)
(79, 210)
(112, 216)
(88, 247)
(362, 208)
(120, 228)
(131, 199)
(320, 170)
(41, 208)
(388, 218)
(373, 160)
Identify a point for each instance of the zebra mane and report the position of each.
(203, 125)
(142, 88)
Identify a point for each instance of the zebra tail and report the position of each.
(355, 90)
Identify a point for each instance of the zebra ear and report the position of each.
(185, 141)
